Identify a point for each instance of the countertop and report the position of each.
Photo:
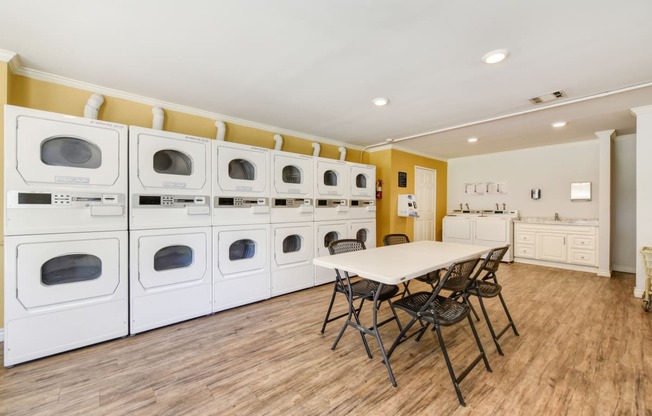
(562, 221)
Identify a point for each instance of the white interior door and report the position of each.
(425, 193)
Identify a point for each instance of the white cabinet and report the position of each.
(489, 231)
(566, 244)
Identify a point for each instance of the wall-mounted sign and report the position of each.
(402, 179)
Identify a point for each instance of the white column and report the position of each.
(604, 203)
(643, 189)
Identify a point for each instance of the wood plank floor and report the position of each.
(585, 349)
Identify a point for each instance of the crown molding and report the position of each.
(390, 146)
(68, 82)
(12, 59)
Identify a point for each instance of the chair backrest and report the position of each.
(391, 239)
(493, 258)
(461, 270)
(345, 246)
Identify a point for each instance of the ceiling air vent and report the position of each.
(551, 96)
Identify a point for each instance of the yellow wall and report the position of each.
(388, 164)
(42, 95)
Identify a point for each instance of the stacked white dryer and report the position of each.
(331, 218)
(170, 228)
(292, 226)
(362, 203)
(66, 256)
(241, 229)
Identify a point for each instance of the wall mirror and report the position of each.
(581, 191)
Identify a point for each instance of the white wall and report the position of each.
(643, 190)
(550, 168)
(623, 204)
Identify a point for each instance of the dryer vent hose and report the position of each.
(158, 118)
(342, 153)
(221, 130)
(92, 107)
(278, 142)
(317, 148)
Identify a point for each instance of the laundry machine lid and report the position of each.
(242, 170)
(292, 175)
(242, 251)
(363, 181)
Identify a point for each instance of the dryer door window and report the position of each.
(173, 257)
(71, 268)
(71, 152)
(330, 178)
(55, 152)
(292, 243)
(169, 162)
(362, 235)
(172, 162)
(330, 237)
(242, 170)
(291, 174)
(166, 258)
(361, 181)
(242, 249)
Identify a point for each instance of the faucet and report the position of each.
(504, 206)
(497, 206)
(556, 217)
(461, 207)
(467, 207)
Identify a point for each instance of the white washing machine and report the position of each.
(170, 276)
(292, 187)
(292, 254)
(325, 232)
(241, 265)
(362, 191)
(364, 230)
(63, 291)
(63, 173)
(331, 189)
(241, 184)
(169, 179)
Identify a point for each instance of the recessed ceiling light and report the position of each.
(472, 139)
(496, 56)
(559, 124)
(380, 101)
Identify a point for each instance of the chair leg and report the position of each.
(491, 327)
(509, 317)
(442, 346)
(477, 341)
(398, 322)
(401, 335)
(353, 312)
(330, 308)
(468, 302)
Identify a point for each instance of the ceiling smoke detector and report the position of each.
(551, 96)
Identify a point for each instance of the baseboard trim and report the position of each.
(2, 335)
(565, 266)
(623, 269)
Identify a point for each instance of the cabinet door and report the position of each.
(551, 247)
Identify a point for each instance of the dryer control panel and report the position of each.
(330, 203)
(291, 202)
(36, 199)
(240, 202)
(362, 203)
(170, 201)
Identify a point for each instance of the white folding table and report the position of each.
(393, 265)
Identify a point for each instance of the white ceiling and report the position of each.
(314, 66)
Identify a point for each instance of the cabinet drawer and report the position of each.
(524, 237)
(524, 251)
(585, 242)
(586, 258)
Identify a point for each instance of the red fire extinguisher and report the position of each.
(379, 190)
